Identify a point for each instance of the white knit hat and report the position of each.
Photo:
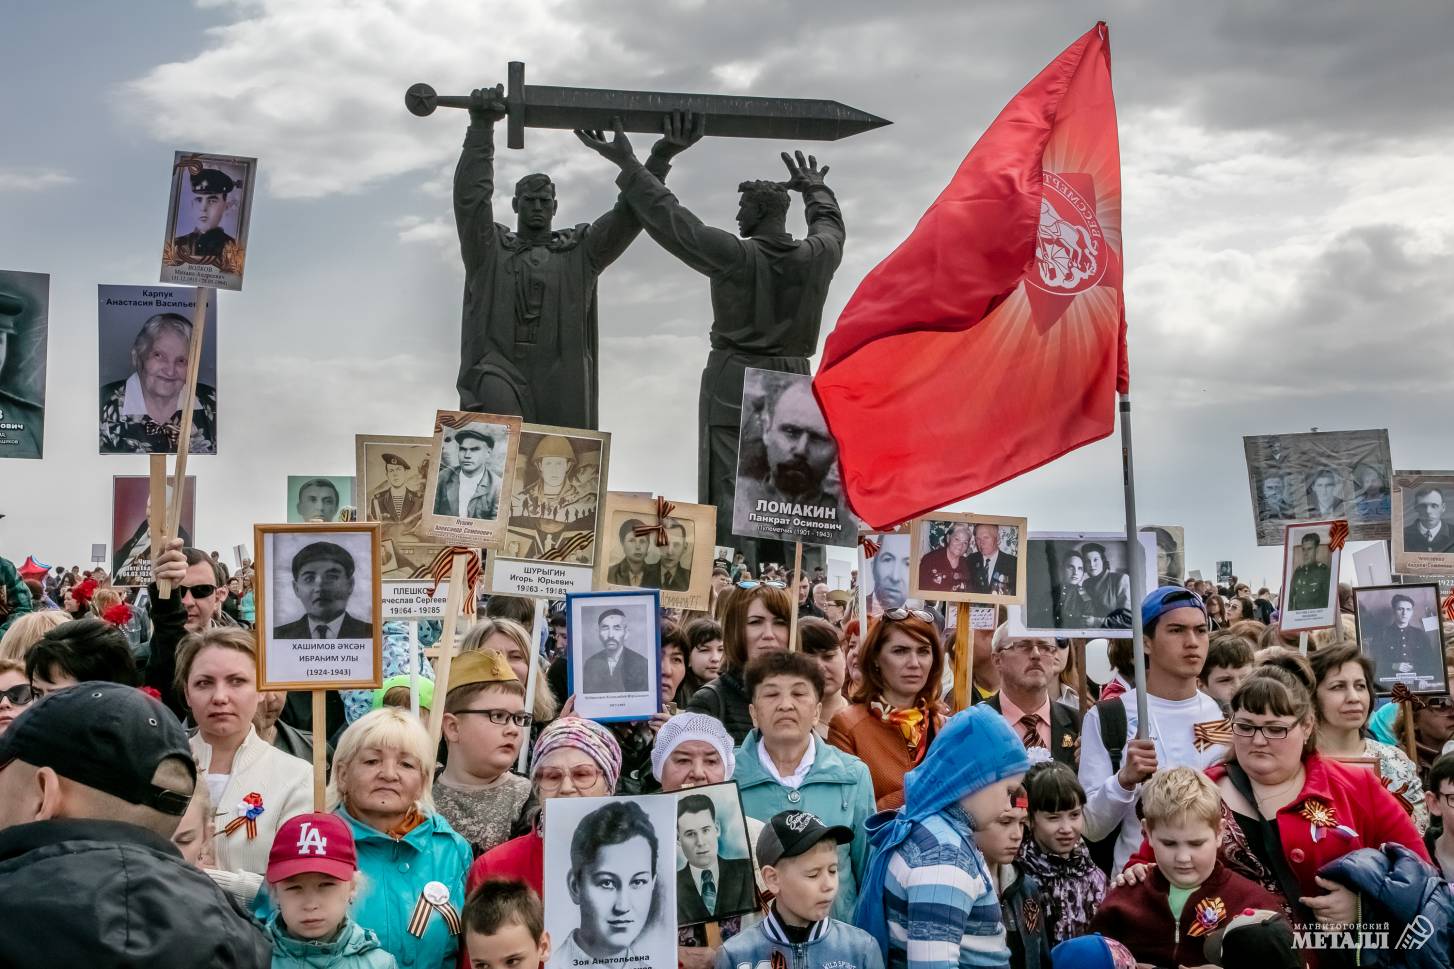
(692, 726)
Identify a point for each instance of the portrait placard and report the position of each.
(611, 900)
(239, 553)
(1165, 547)
(1224, 571)
(207, 218)
(1079, 584)
(1370, 565)
(317, 596)
(1320, 476)
(471, 477)
(1309, 578)
(968, 558)
(390, 478)
(1398, 629)
(132, 553)
(635, 556)
(554, 530)
(885, 576)
(145, 340)
(1422, 536)
(318, 497)
(713, 851)
(24, 329)
(788, 484)
(613, 663)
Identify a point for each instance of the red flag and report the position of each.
(992, 340)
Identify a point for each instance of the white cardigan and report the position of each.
(285, 784)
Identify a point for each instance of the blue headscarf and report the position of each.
(975, 749)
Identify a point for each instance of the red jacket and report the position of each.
(1139, 916)
(1358, 799)
(522, 858)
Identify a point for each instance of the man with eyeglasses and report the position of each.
(1439, 797)
(1187, 728)
(1026, 665)
(195, 604)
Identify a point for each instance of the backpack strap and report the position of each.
(1112, 715)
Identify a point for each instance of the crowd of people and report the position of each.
(156, 808)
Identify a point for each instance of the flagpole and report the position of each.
(1138, 580)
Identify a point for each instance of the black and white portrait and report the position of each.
(968, 558)
(614, 665)
(715, 873)
(317, 497)
(788, 483)
(145, 340)
(645, 551)
(611, 901)
(885, 575)
(469, 484)
(1423, 523)
(207, 220)
(318, 608)
(1309, 578)
(1320, 476)
(390, 481)
(1398, 628)
(1165, 546)
(24, 327)
(1079, 584)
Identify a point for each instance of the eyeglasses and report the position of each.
(500, 717)
(1439, 703)
(902, 612)
(582, 776)
(1448, 798)
(1272, 731)
(1026, 646)
(19, 695)
(197, 591)
(754, 583)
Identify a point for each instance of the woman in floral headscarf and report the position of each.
(895, 711)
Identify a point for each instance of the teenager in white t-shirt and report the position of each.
(1174, 622)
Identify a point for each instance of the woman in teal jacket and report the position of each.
(412, 861)
(783, 766)
(355, 948)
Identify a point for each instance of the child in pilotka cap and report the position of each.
(504, 927)
(312, 874)
(799, 858)
(1165, 919)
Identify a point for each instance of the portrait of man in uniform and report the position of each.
(24, 298)
(472, 488)
(1399, 629)
(323, 582)
(211, 202)
(1312, 577)
(612, 666)
(553, 509)
(397, 500)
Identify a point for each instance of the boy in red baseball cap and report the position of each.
(312, 870)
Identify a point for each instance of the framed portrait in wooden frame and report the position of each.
(319, 614)
(961, 557)
(471, 477)
(634, 558)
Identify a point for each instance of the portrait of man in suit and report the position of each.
(1428, 532)
(889, 574)
(633, 570)
(710, 887)
(613, 667)
(676, 559)
(1028, 668)
(471, 489)
(318, 501)
(991, 570)
(323, 574)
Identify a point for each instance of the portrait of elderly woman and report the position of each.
(142, 413)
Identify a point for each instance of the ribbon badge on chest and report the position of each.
(435, 897)
(248, 812)
(1320, 818)
(1208, 914)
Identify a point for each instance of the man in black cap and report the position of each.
(470, 490)
(207, 243)
(396, 501)
(94, 780)
(21, 420)
(323, 582)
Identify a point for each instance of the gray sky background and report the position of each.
(1288, 226)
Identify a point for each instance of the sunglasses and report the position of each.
(19, 695)
(197, 591)
(902, 613)
(754, 583)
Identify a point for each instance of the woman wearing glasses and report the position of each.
(574, 757)
(895, 711)
(15, 693)
(754, 623)
(1287, 810)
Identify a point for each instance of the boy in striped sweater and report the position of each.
(928, 897)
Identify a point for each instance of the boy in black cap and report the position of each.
(94, 779)
(798, 855)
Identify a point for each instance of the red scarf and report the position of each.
(918, 723)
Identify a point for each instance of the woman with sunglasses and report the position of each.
(894, 712)
(755, 617)
(15, 692)
(1287, 811)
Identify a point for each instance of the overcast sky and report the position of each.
(1288, 223)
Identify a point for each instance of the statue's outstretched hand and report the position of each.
(487, 104)
(680, 131)
(618, 150)
(804, 174)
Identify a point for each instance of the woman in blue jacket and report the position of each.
(783, 766)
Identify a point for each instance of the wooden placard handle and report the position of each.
(963, 655)
(205, 295)
(797, 577)
(157, 517)
(320, 749)
(458, 587)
